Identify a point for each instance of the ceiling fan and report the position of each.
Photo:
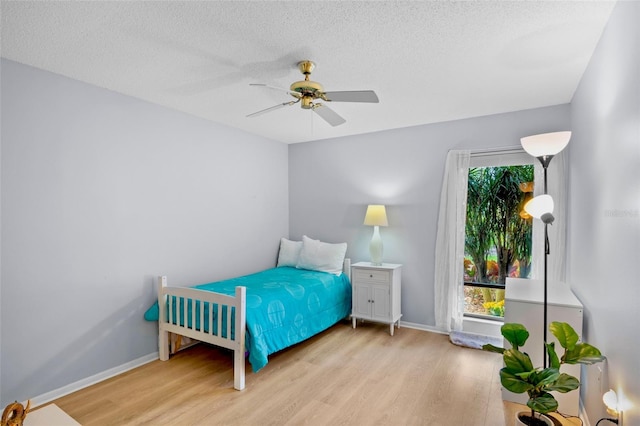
(307, 92)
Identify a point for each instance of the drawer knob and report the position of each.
(370, 275)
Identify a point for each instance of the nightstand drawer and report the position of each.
(371, 276)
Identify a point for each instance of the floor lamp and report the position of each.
(544, 147)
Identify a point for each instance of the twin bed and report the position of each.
(262, 313)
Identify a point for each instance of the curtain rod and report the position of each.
(492, 151)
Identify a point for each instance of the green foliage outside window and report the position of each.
(497, 237)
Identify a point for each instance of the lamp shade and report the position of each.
(376, 215)
(539, 205)
(546, 143)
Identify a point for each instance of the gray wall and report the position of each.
(332, 181)
(604, 221)
(100, 194)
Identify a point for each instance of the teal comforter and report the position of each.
(284, 306)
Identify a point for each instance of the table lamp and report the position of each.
(376, 216)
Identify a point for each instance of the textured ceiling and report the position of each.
(427, 61)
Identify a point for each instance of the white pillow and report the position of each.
(319, 256)
(289, 252)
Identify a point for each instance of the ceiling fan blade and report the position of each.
(328, 115)
(280, 89)
(352, 96)
(262, 111)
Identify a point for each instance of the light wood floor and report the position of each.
(340, 377)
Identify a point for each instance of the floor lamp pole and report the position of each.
(545, 164)
(546, 254)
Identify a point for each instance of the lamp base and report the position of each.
(375, 248)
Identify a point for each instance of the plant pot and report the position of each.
(523, 418)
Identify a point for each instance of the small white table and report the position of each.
(376, 293)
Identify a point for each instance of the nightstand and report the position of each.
(376, 293)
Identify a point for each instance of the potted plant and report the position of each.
(519, 375)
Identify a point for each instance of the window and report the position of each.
(497, 230)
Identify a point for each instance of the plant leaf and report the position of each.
(554, 362)
(525, 376)
(583, 353)
(546, 377)
(545, 403)
(564, 383)
(516, 361)
(566, 335)
(513, 383)
(490, 348)
(516, 334)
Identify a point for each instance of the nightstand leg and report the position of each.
(391, 329)
(354, 321)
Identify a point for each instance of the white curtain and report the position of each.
(557, 188)
(449, 272)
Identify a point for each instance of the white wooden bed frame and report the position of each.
(239, 302)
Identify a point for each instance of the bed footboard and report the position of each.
(206, 316)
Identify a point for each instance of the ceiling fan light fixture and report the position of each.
(306, 87)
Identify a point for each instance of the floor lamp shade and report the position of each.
(376, 216)
(546, 143)
(541, 207)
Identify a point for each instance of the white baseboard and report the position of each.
(92, 380)
(422, 327)
(490, 331)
